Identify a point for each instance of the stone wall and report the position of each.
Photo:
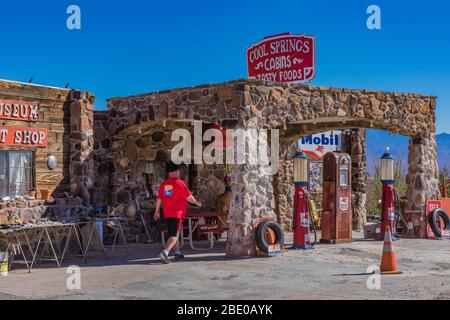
(284, 189)
(20, 211)
(423, 177)
(138, 128)
(295, 110)
(103, 168)
(208, 184)
(354, 143)
(126, 161)
(81, 145)
(120, 164)
(359, 178)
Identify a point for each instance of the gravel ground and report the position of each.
(327, 272)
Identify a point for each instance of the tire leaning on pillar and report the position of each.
(260, 235)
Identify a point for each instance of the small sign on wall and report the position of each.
(26, 137)
(343, 203)
(430, 206)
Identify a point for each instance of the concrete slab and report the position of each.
(327, 272)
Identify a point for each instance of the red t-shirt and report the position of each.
(173, 193)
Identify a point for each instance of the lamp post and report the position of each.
(388, 194)
(301, 210)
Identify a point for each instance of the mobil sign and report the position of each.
(283, 58)
(317, 145)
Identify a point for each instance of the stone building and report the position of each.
(64, 119)
(116, 156)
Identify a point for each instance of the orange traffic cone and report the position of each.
(389, 258)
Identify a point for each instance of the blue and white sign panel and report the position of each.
(317, 145)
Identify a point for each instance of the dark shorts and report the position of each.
(174, 226)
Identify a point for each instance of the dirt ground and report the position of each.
(327, 272)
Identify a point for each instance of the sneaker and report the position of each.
(179, 256)
(164, 258)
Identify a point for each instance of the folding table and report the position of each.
(119, 230)
(74, 228)
(43, 236)
(14, 234)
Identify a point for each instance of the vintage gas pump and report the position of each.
(388, 194)
(301, 210)
(337, 194)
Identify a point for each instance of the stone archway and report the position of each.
(301, 110)
(294, 110)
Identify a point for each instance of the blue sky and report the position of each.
(129, 47)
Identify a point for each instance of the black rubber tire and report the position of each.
(260, 238)
(434, 218)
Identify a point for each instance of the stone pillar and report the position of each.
(355, 145)
(81, 165)
(359, 178)
(423, 175)
(284, 189)
(252, 197)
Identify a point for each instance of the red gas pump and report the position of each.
(388, 205)
(301, 209)
(336, 224)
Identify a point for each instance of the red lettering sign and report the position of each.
(283, 58)
(27, 137)
(18, 110)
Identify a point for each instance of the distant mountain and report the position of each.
(378, 140)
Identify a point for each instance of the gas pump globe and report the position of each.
(301, 209)
(387, 167)
(388, 194)
(300, 169)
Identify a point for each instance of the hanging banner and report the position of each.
(25, 137)
(283, 58)
(18, 110)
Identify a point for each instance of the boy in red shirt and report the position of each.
(174, 195)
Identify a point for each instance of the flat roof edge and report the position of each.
(267, 83)
(34, 85)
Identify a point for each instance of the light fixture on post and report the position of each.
(388, 194)
(52, 162)
(301, 209)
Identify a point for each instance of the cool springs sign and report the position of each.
(282, 58)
